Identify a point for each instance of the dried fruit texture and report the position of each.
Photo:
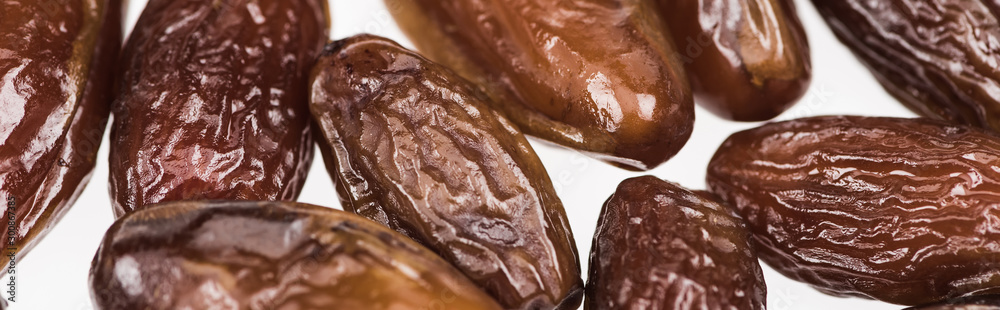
(56, 71)
(660, 246)
(748, 60)
(939, 57)
(600, 76)
(989, 302)
(900, 210)
(213, 101)
(269, 255)
(415, 147)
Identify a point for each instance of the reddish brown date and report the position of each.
(939, 57)
(213, 101)
(269, 255)
(747, 60)
(56, 73)
(900, 210)
(415, 147)
(989, 302)
(660, 246)
(599, 76)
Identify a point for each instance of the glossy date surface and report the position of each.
(987, 302)
(56, 72)
(269, 255)
(939, 57)
(413, 146)
(747, 60)
(598, 76)
(213, 101)
(660, 246)
(900, 210)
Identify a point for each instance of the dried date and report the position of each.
(412, 145)
(56, 71)
(988, 302)
(213, 101)
(659, 245)
(599, 76)
(901, 210)
(269, 255)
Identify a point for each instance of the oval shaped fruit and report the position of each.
(56, 70)
(269, 255)
(747, 60)
(660, 246)
(599, 76)
(415, 147)
(901, 210)
(988, 302)
(939, 57)
(213, 101)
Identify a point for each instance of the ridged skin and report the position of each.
(900, 210)
(988, 302)
(748, 60)
(600, 76)
(415, 147)
(213, 101)
(269, 255)
(660, 246)
(939, 57)
(56, 70)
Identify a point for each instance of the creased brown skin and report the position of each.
(56, 72)
(988, 302)
(213, 101)
(939, 57)
(598, 76)
(748, 60)
(900, 210)
(660, 246)
(269, 255)
(412, 145)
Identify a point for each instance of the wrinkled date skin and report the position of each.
(412, 145)
(269, 255)
(748, 60)
(900, 210)
(939, 57)
(660, 246)
(600, 76)
(988, 302)
(56, 70)
(213, 101)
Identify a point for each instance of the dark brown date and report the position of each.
(989, 302)
(269, 255)
(660, 246)
(56, 70)
(213, 101)
(599, 76)
(901, 210)
(939, 57)
(412, 145)
(747, 60)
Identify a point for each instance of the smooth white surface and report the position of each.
(54, 274)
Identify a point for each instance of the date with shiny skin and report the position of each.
(213, 101)
(269, 255)
(658, 246)
(987, 302)
(899, 210)
(56, 71)
(600, 76)
(747, 60)
(940, 58)
(412, 145)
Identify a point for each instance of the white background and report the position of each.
(54, 274)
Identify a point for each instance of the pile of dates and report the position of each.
(215, 108)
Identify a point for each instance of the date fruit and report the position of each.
(269, 255)
(988, 302)
(599, 76)
(660, 246)
(56, 73)
(412, 145)
(747, 60)
(213, 101)
(900, 210)
(938, 57)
